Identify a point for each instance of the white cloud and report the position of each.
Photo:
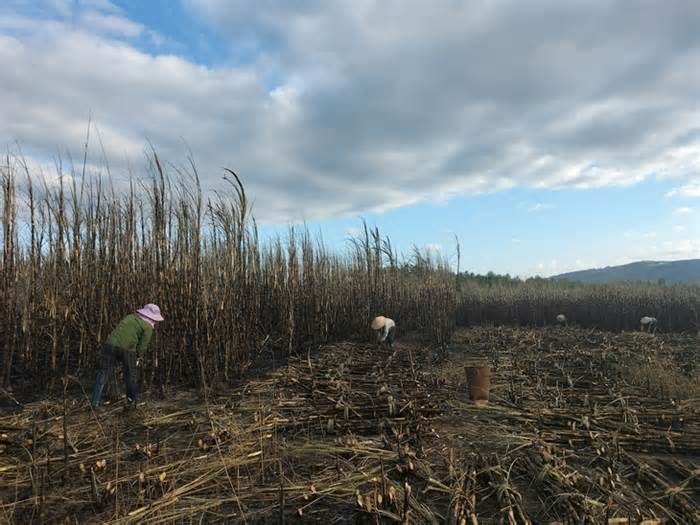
(679, 228)
(538, 206)
(111, 24)
(680, 249)
(343, 108)
(580, 264)
(61, 7)
(670, 248)
(683, 210)
(434, 247)
(635, 235)
(691, 189)
(101, 5)
(557, 267)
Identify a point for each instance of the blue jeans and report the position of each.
(109, 356)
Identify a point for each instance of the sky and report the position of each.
(547, 136)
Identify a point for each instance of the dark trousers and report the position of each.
(109, 356)
(389, 337)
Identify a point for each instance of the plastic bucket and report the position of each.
(479, 382)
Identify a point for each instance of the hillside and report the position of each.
(686, 271)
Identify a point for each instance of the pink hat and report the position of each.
(151, 311)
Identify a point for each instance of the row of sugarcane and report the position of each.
(80, 253)
(615, 306)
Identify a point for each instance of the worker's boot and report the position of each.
(133, 405)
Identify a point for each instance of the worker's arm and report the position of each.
(143, 342)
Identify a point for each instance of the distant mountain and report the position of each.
(687, 271)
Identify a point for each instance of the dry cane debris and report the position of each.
(571, 435)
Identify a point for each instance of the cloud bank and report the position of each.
(338, 108)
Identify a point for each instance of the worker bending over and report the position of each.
(385, 329)
(125, 345)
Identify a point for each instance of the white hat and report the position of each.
(378, 323)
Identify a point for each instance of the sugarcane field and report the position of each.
(283, 382)
(349, 262)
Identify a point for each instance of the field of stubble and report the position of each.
(582, 427)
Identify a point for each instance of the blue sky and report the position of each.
(548, 137)
(529, 232)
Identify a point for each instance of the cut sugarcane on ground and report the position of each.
(581, 426)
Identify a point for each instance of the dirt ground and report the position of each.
(581, 427)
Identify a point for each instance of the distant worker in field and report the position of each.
(126, 345)
(385, 329)
(561, 320)
(648, 324)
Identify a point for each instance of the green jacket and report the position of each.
(132, 333)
